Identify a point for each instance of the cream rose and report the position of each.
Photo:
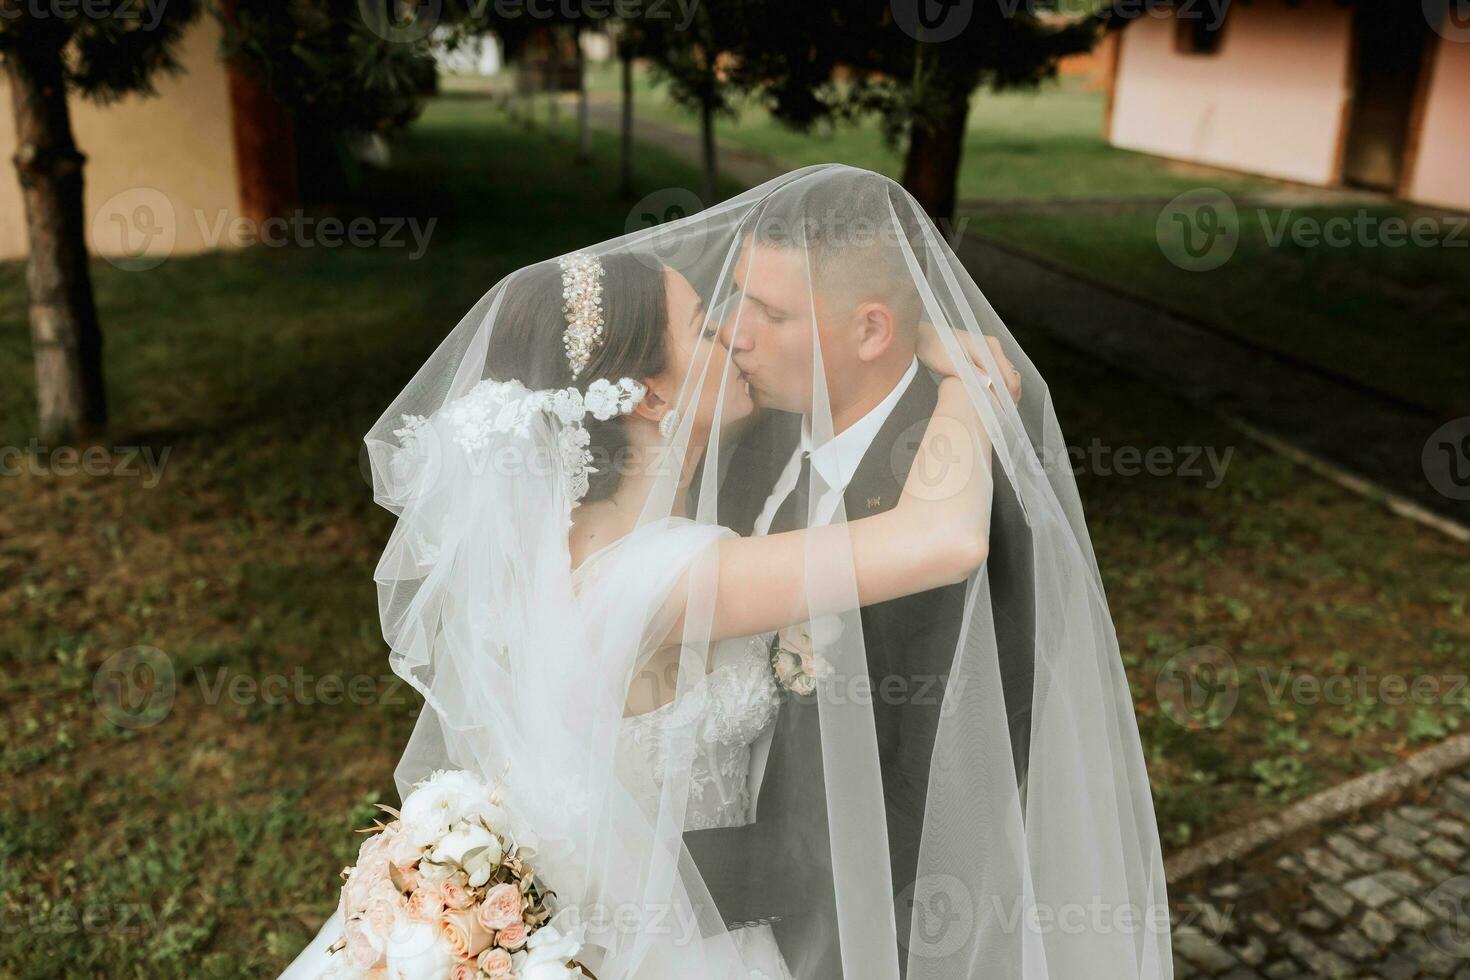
(462, 930)
(495, 963)
(426, 904)
(512, 936)
(501, 907)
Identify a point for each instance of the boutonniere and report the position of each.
(796, 665)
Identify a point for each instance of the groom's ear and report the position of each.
(875, 330)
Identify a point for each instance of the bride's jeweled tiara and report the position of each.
(581, 293)
(509, 406)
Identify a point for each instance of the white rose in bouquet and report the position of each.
(548, 951)
(418, 951)
(473, 848)
(439, 802)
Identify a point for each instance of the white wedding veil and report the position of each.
(963, 793)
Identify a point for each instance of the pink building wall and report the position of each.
(1441, 174)
(1270, 101)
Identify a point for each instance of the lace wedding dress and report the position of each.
(726, 711)
(731, 708)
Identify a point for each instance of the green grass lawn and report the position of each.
(1041, 144)
(207, 844)
(1396, 319)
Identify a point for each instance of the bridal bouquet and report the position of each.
(443, 893)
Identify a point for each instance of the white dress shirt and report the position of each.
(835, 461)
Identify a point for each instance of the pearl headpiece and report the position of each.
(581, 292)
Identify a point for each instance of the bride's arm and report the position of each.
(936, 535)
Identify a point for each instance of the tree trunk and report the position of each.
(931, 166)
(65, 336)
(584, 121)
(707, 152)
(625, 154)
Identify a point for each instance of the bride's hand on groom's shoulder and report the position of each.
(931, 352)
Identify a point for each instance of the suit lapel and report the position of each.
(879, 478)
(754, 467)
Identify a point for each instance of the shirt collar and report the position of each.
(837, 459)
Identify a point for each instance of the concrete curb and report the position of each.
(1331, 804)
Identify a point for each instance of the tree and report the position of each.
(102, 52)
(700, 61)
(918, 75)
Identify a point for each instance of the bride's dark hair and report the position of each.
(528, 334)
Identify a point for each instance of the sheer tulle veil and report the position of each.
(969, 798)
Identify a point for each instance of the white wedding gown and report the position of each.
(730, 708)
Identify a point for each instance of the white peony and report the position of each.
(439, 802)
(548, 951)
(418, 951)
(473, 848)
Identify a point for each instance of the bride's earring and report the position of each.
(668, 423)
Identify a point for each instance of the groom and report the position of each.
(855, 287)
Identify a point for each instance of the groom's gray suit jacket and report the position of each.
(778, 869)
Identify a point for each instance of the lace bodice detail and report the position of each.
(730, 708)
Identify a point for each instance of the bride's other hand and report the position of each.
(932, 355)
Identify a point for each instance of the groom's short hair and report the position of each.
(857, 227)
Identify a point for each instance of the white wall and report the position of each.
(1270, 101)
(163, 161)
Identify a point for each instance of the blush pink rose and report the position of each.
(402, 851)
(512, 936)
(365, 948)
(502, 906)
(465, 970)
(495, 963)
(462, 929)
(426, 904)
(457, 895)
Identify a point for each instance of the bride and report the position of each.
(724, 552)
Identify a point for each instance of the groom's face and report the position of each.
(774, 329)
